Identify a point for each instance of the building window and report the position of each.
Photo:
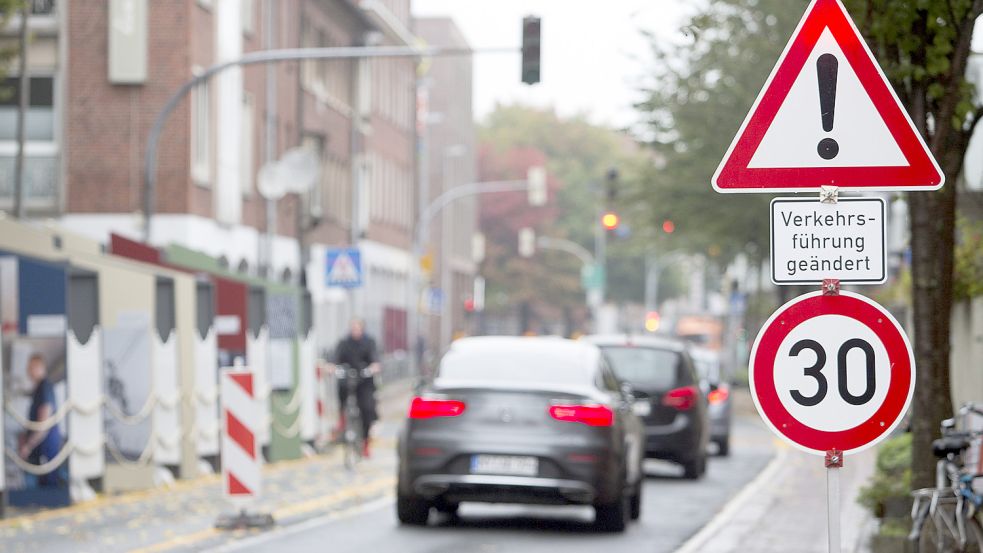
(40, 123)
(337, 183)
(41, 168)
(315, 196)
(43, 7)
(201, 134)
(248, 16)
(247, 158)
(328, 80)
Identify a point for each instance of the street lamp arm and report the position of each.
(268, 56)
(569, 246)
(463, 191)
(471, 189)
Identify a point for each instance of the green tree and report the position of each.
(8, 50)
(695, 98)
(577, 155)
(924, 46)
(700, 91)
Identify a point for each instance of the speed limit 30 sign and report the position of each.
(832, 372)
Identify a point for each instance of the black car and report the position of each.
(521, 420)
(669, 400)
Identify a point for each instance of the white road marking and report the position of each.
(736, 504)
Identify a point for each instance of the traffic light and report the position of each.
(536, 179)
(653, 321)
(610, 220)
(530, 49)
(668, 226)
(527, 242)
(611, 185)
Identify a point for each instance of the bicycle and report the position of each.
(351, 430)
(945, 518)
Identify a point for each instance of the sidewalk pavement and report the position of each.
(181, 517)
(784, 509)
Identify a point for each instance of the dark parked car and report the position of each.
(669, 400)
(521, 420)
(708, 368)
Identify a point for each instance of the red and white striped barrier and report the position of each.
(241, 459)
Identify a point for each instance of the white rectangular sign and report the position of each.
(812, 241)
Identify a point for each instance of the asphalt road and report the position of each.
(673, 510)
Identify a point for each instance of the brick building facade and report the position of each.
(86, 168)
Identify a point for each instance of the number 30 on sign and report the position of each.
(832, 372)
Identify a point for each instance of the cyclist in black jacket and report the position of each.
(357, 350)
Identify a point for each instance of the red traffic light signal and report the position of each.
(668, 226)
(610, 220)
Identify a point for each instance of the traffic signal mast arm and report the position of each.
(569, 246)
(456, 193)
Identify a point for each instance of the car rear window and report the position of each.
(645, 368)
(516, 367)
(707, 368)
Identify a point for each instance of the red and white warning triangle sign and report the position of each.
(827, 117)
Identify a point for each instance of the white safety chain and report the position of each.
(91, 408)
(136, 418)
(206, 398)
(291, 431)
(44, 468)
(38, 426)
(207, 432)
(293, 405)
(142, 460)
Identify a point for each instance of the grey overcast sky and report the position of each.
(592, 51)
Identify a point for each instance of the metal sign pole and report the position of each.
(834, 462)
(834, 457)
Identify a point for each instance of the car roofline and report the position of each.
(502, 385)
(629, 340)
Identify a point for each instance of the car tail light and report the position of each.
(681, 399)
(591, 415)
(428, 408)
(719, 395)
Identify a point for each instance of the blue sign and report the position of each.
(344, 268)
(435, 300)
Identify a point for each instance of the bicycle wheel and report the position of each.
(353, 437)
(938, 532)
(352, 453)
(974, 536)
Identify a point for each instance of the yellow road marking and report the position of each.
(303, 507)
(365, 489)
(104, 501)
(178, 541)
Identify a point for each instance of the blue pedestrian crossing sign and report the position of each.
(344, 268)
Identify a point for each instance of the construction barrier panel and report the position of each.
(241, 459)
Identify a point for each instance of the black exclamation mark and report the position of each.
(826, 69)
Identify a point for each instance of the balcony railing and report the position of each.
(40, 181)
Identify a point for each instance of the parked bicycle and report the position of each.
(351, 422)
(946, 518)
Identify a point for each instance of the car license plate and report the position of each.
(504, 464)
(642, 408)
